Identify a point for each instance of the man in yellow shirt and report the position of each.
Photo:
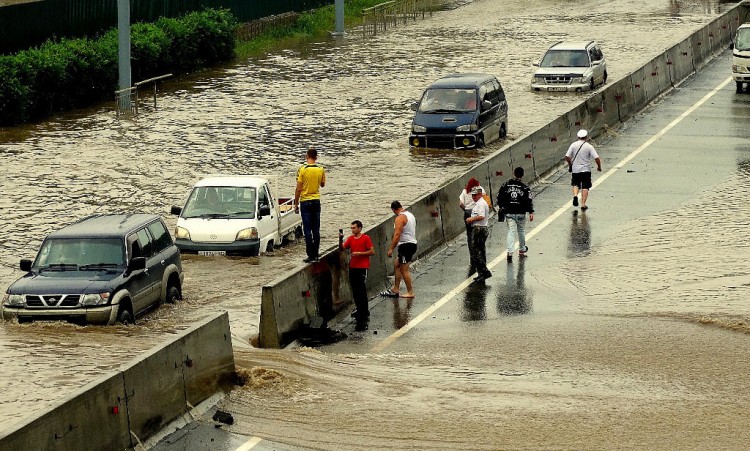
(310, 178)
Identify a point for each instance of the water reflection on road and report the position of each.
(348, 97)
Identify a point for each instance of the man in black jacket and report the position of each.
(514, 200)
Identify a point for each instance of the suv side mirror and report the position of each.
(136, 263)
(25, 265)
(486, 104)
(176, 210)
(264, 210)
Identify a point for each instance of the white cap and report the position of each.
(582, 133)
(476, 190)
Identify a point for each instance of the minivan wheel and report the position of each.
(125, 316)
(591, 83)
(173, 294)
(480, 142)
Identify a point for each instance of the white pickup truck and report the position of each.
(235, 215)
(741, 56)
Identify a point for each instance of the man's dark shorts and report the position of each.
(581, 179)
(406, 252)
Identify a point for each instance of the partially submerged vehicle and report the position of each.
(571, 66)
(100, 270)
(235, 215)
(460, 111)
(741, 56)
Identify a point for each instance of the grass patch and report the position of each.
(310, 25)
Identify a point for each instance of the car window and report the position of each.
(144, 240)
(263, 197)
(490, 93)
(162, 240)
(592, 54)
(499, 89)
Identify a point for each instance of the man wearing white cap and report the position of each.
(579, 157)
(479, 233)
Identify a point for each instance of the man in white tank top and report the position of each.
(405, 241)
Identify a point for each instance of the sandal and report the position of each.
(388, 293)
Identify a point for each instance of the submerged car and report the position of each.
(460, 111)
(100, 270)
(571, 66)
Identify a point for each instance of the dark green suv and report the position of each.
(99, 270)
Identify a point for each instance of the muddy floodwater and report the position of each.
(349, 97)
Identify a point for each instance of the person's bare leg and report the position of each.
(584, 196)
(396, 276)
(407, 279)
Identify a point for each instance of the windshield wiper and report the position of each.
(59, 267)
(212, 215)
(98, 266)
(443, 110)
(237, 213)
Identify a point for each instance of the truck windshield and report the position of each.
(73, 254)
(743, 39)
(221, 202)
(448, 100)
(565, 58)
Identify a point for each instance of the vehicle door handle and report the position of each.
(162, 262)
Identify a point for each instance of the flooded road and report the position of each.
(350, 98)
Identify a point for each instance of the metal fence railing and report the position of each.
(127, 100)
(389, 14)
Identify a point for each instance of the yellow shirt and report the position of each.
(311, 176)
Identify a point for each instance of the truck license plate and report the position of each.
(212, 253)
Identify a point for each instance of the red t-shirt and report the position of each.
(361, 244)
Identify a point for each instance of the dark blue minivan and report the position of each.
(460, 111)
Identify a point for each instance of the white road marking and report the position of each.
(250, 444)
(451, 294)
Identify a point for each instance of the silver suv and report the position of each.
(571, 66)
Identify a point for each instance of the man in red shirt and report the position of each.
(360, 247)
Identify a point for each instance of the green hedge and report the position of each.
(67, 73)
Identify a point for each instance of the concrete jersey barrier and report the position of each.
(305, 295)
(127, 406)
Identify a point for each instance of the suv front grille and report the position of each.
(52, 300)
(557, 79)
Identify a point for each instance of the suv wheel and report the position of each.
(125, 316)
(173, 294)
(739, 86)
(591, 84)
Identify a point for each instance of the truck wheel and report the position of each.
(125, 316)
(739, 86)
(298, 232)
(173, 294)
(269, 247)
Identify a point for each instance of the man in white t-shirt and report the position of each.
(579, 156)
(479, 233)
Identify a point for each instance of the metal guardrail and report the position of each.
(127, 100)
(388, 14)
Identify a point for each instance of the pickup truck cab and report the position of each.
(741, 56)
(235, 215)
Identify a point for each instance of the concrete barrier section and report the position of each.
(208, 359)
(680, 61)
(141, 397)
(522, 154)
(551, 155)
(638, 82)
(499, 166)
(620, 96)
(427, 211)
(93, 418)
(377, 275)
(701, 47)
